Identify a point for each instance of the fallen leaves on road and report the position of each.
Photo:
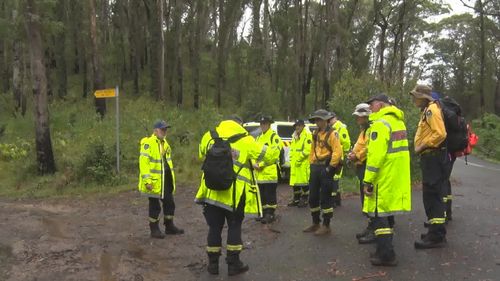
(369, 276)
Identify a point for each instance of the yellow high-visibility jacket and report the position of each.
(244, 150)
(154, 162)
(269, 173)
(388, 164)
(299, 156)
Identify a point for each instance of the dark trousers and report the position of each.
(320, 194)
(299, 191)
(168, 205)
(360, 172)
(216, 217)
(448, 196)
(435, 167)
(268, 197)
(383, 233)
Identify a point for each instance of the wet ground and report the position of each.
(106, 238)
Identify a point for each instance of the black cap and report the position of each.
(299, 122)
(266, 119)
(161, 124)
(380, 97)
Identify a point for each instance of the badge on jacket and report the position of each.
(146, 146)
(374, 135)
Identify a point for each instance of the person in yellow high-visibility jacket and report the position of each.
(299, 164)
(345, 141)
(241, 199)
(387, 175)
(267, 175)
(157, 179)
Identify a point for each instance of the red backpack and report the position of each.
(472, 141)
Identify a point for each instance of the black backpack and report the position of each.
(456, 126)
(218, 164)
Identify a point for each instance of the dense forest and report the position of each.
(284, 57)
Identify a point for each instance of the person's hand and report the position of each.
(420, 148)
(351, 156)
(149, 186)
(330, 170)
(256, 166)
(368, 189)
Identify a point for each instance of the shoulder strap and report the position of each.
(236, 137)
(214, 134)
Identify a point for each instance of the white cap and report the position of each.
(362, 109)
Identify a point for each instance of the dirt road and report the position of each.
(106, 238)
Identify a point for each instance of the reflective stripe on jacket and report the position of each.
(244, 150)
(269, 173)
(299, 154)
(152, 166)
(388, 164)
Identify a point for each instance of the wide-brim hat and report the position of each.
(422, 92)
(321, 114)
(362, 109)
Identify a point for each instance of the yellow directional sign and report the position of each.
(106, 93)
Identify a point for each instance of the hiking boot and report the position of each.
(268, 218)
(234, 264)
(171, 229)
(213, 263)
(364, 233)
(427, 243)
(377, 261)
(311, 228)
(367, 239)
(293, 203)
(323, 230)
(303, 202)
(155, 231)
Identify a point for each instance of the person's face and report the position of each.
(298, 129)
(161, 133)
(264, 126)
(361, 120)
(420, 103)
(376, 105)
(321, 123)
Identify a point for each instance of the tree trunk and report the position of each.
(161, 52)
(60, 52)
(100, 104)
(482, 56)
(45, 156)
(17, 90)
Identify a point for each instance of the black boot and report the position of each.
(367, 239)
(213, 263)
(234, 264)
(303, 201)
(269, 217)
(435, 238)
(155, 230)
(170, 228)
(385, 255)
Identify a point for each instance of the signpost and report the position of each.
(113, 93)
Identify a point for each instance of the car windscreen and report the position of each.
(253, 130)
(285, 131)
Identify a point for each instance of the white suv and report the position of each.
(285, 131)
